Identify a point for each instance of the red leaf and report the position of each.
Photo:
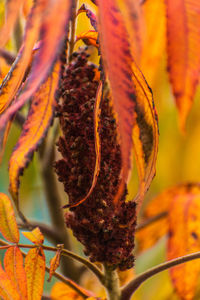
(132, 97)
(52, 37)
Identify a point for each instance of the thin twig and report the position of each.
(151, 220)
(133, 285)
(70, 254)
(72, 29)
(82, 292)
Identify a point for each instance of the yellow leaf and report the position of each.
(12, 13)
(7, 290)
(61, 291)
(8, 224)
(13, 263)
(35, 236)
(35, 272)
(184, 238)
(35, 128)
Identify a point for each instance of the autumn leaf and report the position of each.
(8, 224)
(154, 41)
(11, 15)
(183, 45)
(13, 80)
(132, 97)
(52, 38)
(35, 272)
(133, 21)
(89, 37)
(55, 262)
(35, 128)
(156, 210)
(89, 14)
(13, 264)
(7, 290)
(35, 236)
(61, 291)
(184, 238)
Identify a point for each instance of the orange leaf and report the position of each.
(184, 238)
(8, 224)
(12, 13)
(35, 272)
(52, 38)
(7, 290)
(61, 291)
(133, 21)
(13, 263)
(35, 236)
(89, 37)
(154, 41)
(183, 34)
(34, 129)
(55, 262)
(132, 98)
(13, 80)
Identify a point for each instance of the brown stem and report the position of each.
(151, 220)
(133, 285)
(112, 284)
(54, 204)
(83, 293)
(72, 29)
(9, 57)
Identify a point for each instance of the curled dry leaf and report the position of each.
(13, 264)
(35, 272)
(132, 97)
(35, 236)
(89, 37)
(8, 224)
(184, 238)
(183, 46)
(35, 128)
(55, 262)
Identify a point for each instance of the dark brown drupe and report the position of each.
(106, 231)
